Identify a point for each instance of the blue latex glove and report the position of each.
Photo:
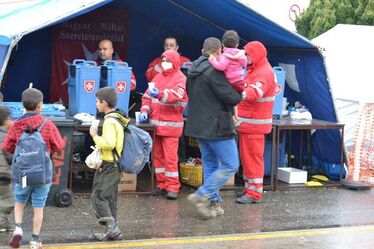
(154, 92)
(143, 118)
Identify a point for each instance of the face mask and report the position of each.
(166, 65)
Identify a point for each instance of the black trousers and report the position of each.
(105, 191)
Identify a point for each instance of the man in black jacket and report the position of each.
(210, 110)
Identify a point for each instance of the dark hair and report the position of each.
(172, 38)
(31, 97)
(109, 95)
(4, 114)
(211, 45)
(230, 39)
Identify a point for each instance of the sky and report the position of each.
(283, 12)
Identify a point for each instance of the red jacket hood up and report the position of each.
(174, 57)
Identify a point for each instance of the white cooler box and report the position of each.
(292, 175)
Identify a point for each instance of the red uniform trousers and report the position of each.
(166, 162)
(251, 147)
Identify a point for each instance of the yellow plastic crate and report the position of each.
(191, 175)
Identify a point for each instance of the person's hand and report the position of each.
(154, 92)
(143, 118)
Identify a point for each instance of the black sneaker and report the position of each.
(159, 191)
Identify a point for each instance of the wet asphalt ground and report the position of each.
(145, 217)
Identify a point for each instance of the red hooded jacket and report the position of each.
(255, 111)
(155, 68)
(166, 110)
(49, 132)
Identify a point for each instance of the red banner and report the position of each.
(79, 39)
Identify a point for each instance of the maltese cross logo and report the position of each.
(278, 89)
(89, 85)
(121, 86)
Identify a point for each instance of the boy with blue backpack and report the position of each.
(108, 174)
(31, 139)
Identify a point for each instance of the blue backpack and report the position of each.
(31, 162)
(137, 145)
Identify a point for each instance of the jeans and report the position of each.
(38, 193)
(220, 162)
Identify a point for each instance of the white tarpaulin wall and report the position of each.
(349, 55)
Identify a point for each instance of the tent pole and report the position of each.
(12, 44)
(202, 18)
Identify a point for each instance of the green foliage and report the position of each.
(322, 15)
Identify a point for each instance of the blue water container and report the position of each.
(84, 80)
(280, 76)
(117, 75)
(49, 110)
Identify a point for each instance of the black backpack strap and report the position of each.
(42, 125)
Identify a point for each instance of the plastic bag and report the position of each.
(93, 160)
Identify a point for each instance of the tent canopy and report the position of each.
(191, 21)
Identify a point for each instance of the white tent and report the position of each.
(348, 51)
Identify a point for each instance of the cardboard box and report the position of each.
(128, 182)
(292, 175)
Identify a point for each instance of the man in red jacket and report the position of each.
(255, 113)
(106, 52)
(154, 67)
(164, 104)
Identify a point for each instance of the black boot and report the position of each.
(112, 232)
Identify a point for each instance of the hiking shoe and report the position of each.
(216, 206)
(16, 238)
(159, 191)
(110, 233)
(245, 199)
(118, 237)
(34, 244)
(171, 195)
(202, 205)
(240, 193)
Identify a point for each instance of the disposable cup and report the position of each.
(137, 117)
(151, 85)
(95, 124)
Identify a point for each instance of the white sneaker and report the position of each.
(36, 244)
(16, 238)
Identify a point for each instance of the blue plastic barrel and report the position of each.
(280, 76)
(84, 80)
(117, 75)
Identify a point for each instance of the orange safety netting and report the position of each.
(361, 157)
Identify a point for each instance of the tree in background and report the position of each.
(322, 15)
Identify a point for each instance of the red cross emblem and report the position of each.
(278, 89)
(121, 86)
(89, 85)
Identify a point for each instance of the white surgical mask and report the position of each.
(166, 65)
